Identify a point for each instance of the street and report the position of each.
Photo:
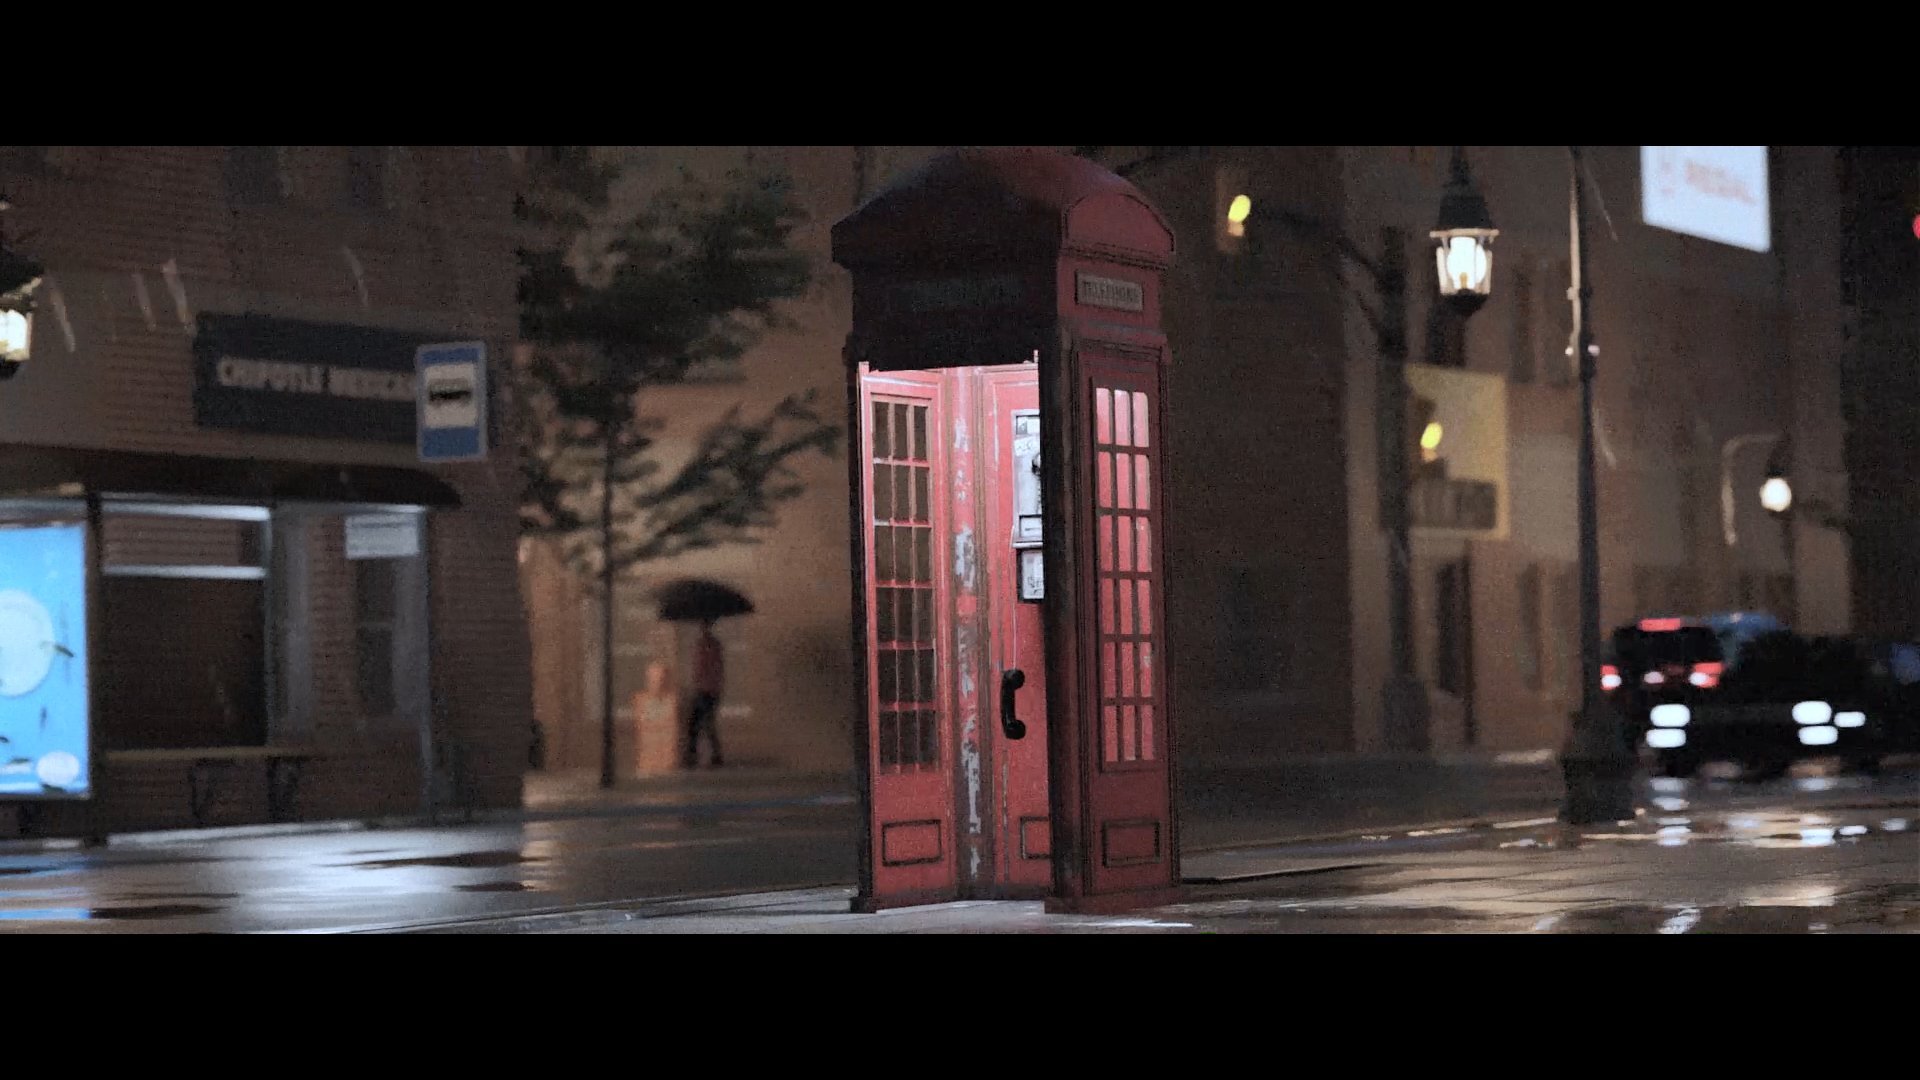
(1735, 853)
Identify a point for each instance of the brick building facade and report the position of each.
(246, 611)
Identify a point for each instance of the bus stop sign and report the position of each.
(451, 393)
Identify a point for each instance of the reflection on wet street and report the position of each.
(338, 880)
(1804, 854)
(1785, 857)
(1703, 860)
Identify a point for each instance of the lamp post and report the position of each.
(1597, 761)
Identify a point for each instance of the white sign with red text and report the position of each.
(1716, 193)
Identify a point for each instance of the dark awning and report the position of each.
(42, 470)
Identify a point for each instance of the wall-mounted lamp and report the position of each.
(19, 278)
(1237, 213)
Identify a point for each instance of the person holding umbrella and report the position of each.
(709, 683)
(704, 602)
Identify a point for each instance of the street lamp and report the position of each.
(1776, 497)
(1776, 494)
(19, 278)
(1597, 761)
(1767, 497)
(1463, 240)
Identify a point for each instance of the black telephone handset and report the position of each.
(1010, 725)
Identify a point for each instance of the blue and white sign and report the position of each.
(1716, 193)
(44, 708)
(451, 392)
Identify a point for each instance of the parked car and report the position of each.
(1661, 661)
(1742, 686)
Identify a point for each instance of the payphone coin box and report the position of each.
(1026, 505)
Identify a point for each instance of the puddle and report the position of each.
(473, 860)
(147, 911)
(109, 860)
(47, 915)
(1762, 830)
(1305, 888)
(155, 911)
(1849, 913)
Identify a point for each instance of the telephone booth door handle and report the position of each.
(1011, 680)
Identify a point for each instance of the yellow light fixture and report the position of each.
(1430, 441)
(1237, 213)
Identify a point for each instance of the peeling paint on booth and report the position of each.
(959, 460)
(964, 571)
(963, 662)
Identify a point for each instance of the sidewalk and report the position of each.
(578, 793)
(1221, 806)
(1849, 870)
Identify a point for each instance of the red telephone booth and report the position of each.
(1007, 378)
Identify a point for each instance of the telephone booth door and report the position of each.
(1022, 841)
(955, 658)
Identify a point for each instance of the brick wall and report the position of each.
(138, 241)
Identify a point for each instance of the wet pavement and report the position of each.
(1840, 870)
(1812, 853)
(343, 879)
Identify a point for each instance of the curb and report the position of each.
(701, 903)
(1414, 829)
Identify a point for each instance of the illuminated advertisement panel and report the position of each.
(43, 662)
(1716, 193)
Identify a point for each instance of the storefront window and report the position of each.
(184, 600)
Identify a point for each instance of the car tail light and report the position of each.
(1707, 675)
(1653, 678)
(1609, 677)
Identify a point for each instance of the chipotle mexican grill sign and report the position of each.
(290, 377)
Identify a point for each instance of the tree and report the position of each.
(613, 302)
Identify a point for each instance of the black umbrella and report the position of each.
(695, 600)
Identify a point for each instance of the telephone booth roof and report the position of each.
(1003, 204)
